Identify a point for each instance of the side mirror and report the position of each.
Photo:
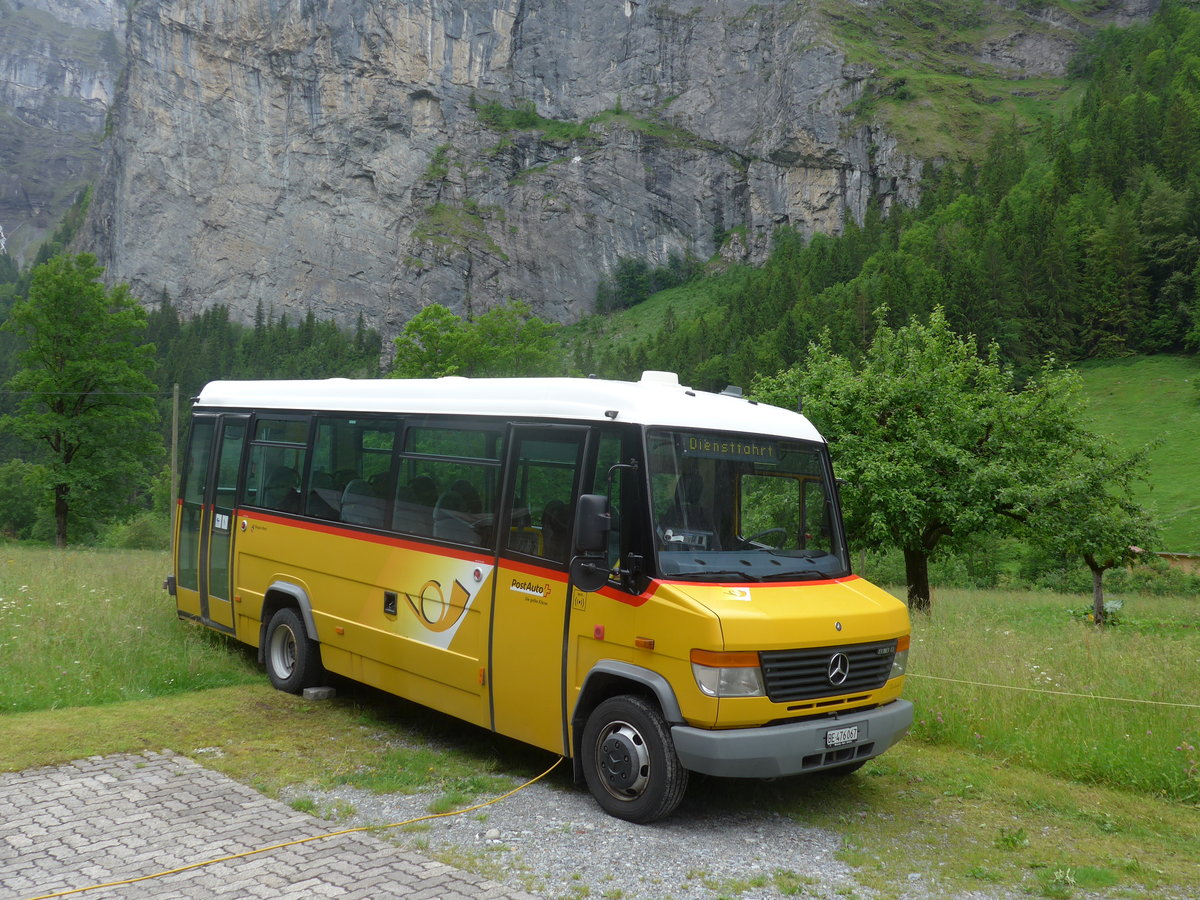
(589, 571)
(592, 524)
(588, 574)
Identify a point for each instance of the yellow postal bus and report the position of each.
(645, 578)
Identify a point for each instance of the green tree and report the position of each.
(1088, 511)
(507, 340)
(22, 490)
(936, 441)
(431, 344)
(85, 394)
(510, 341)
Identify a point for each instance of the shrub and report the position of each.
(23, 498)
(147, 530)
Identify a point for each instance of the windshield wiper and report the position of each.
(798, 554)
(795, 573)
(708, 573)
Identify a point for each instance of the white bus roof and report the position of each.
(657, 399)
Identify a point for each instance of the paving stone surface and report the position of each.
(98, 821)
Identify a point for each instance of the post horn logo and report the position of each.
(434, 611)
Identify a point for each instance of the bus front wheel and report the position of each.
(629, 760)
(292, 657)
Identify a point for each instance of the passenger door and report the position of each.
(205, 545)
(193, 516)
(531, 603)
(216, 602)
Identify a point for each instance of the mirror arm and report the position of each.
(629, 573)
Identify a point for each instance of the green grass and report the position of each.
(1155, 400)
(1035, 793)
(456, 226)
(88, 627)
(656, 129)
(622, 330)
(973, 823)
(409, 769)
(1046, 656)
(931, 87)
(525, 118)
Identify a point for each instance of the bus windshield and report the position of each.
(743, 507)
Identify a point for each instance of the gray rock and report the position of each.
(331, 156)
(59, 63)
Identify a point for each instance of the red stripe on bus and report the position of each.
(386, 540)
(610, 593)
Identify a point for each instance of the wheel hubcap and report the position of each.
(283, 652)
(623, 760)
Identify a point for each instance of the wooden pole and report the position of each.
(174, 459)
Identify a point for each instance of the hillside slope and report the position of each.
(1147, 399)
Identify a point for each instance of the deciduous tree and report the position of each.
(84, 390)
(505, 341)
(431, 344)
(1087, 510)
(939, 443)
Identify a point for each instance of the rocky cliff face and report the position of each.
(374, 156)
(59, 62)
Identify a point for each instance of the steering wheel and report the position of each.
(762, 534)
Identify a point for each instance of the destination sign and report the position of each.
(729, 447)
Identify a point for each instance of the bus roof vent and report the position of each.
(653, 377)
(732, 390)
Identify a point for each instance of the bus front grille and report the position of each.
(792, 675)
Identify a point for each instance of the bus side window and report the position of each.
(276, 462)
(324, 495)
(543, 511)
(281, 484)
(458, 468)
(352, 469)
(415, 500)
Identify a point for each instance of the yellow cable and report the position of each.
(1013, 687)
(315, 837)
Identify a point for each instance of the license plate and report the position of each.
(837, 737)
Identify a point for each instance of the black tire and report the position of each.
(293, 659)
(629, 760)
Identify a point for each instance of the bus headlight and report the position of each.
(727, 674)
(900, 660)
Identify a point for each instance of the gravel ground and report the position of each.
(553, 840)
(556, 842)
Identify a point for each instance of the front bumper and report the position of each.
(776, 750)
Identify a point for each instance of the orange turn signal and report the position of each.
(724, 660)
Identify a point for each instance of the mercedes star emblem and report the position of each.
(839, 668)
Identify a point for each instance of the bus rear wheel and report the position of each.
(292, 657)
(629, 760)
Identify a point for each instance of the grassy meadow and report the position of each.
(1155, 401)
(89, 627)
(1018, 676)
(1048, 757)
(1023, 677)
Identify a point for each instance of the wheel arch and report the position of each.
(610, 678)
(279, 595)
